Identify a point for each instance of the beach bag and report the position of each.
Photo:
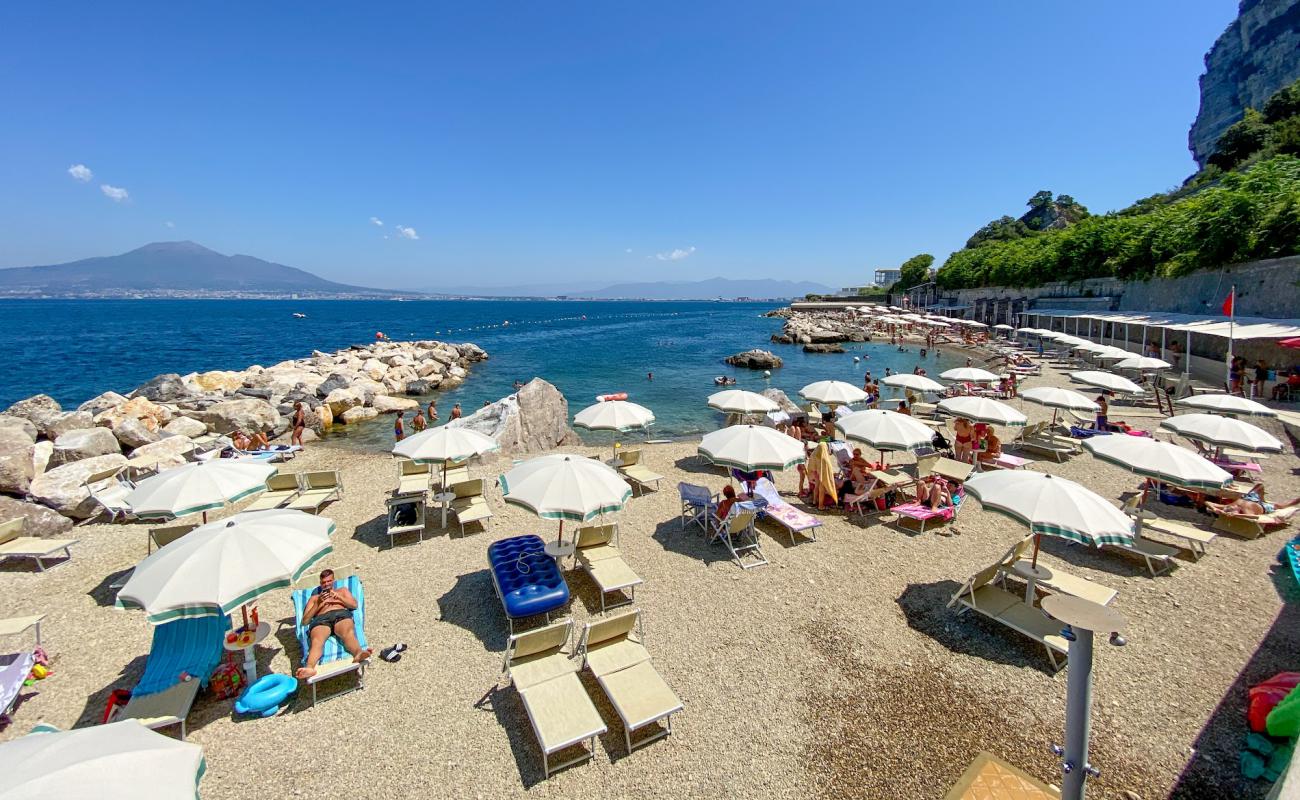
(1265, 696)
(227, 681)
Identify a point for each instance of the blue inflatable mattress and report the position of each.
(527, 580)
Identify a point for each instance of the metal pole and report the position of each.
(1078, 717)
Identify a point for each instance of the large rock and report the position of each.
(184, 426)
(342, 399)
(84, 443)
(41, 521)
(56, 425)
(63, 488)
(391, 405)
(103, 402)
(356, 414)
(250, 416)
(41, 452)
(782, 399)
(18, 424)
(823, 348)
(533, 420)
(755, 359)
(134, 433)
(334, 381)
(36, 409)
(420, 386)
(167, 388)
(219, 381)
(169, 452)
(152, 415)
(17, 466)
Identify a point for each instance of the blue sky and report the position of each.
(546, 142)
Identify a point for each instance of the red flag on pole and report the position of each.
(1227, 304)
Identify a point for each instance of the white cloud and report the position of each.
(80, 172)
(114, 193)
(170, 224)
(377, 221)
(675, 255)
(407, 233)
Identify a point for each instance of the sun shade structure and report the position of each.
(739, 401)
(751, 448)
(203, 486)
(969, 374)
(614, 415)
(445, 444)
(833, 393)
(220, 566)
(919, 383)
(1106, 380)
(1144, 363)
(565, 487)
(983, 409)
(108, 762)
(1054, 397)
(1161, 461)
(885, 430)
(1002, 326)
(1226, 404)
(1223, 432)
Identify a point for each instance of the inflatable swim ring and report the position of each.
(266, 696)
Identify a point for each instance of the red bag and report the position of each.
(227, 680)
(1264, 696)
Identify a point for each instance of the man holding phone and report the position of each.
(329, 611)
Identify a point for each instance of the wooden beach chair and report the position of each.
(413, 477)
(281, 488)
(558, 708)
(979, 594)
(603, 562)
(318, 488)
(470, 505)
(14, 545)
(624, 670)
(631, 468)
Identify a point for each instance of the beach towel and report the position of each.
(921, 512)
(333, 650)
(822, 468)
(193, 646)
(777, 508)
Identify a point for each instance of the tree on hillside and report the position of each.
(1283, 104)
(1003, 229)
(915, 270)
(1241, 141)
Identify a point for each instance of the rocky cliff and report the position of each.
(1258, 54)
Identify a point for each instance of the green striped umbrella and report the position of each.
(565, 487)
(751, 448)
(203, 486)
(1161, 461)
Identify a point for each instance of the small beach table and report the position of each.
(250, 661)
(444, 500)
(1032, 575)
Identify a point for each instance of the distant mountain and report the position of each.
(170, 269)
(711, 288)
(520, 290)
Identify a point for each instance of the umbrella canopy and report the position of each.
(120, 760)
(969, 374)
(1053, 506)
(1002, 326)
(833, 393)
(1112, 353)
(983, 409)
(1054, 397)
(934, 323)
(1091, 347)
(1106, 380)
(739, 401)
(202, 486)
(1223, 432)
(565, 487)
(1143, 363)
(751, 448)
(445, 444)
(220, 566)
(1159, 460)
(918, 383)
(614, 415)
(970, 323)
(885, 430)
(1227, 404)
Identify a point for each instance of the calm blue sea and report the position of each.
(75, 349)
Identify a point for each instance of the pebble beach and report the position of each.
(835, 670)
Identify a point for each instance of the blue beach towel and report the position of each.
(333, 647)
(192, 645)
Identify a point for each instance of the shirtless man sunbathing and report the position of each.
(330, 611)
(1249, 508)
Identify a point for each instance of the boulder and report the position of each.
(166, 388)
(41, 521)
(823, 348)
(18, 424)
(429, 369)
(219, 381)
(356, 414)
(36, 409)
(64, 488)
(533, 420)
(391, 405)
(471, 352)
(241, 415)
(368, 389)
(340, 400)
(320, 418)
(334, 381)
(420, 386)
(755, 359)
(41, 452)
(103, 402)
(17, 465)
(782, 399)
(83, 443)
(184, 426)
(374, 368)
(56, 425)
(152, 415)
(260, 392)
(134, 433)
(169, 452)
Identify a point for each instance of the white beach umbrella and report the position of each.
(885, 430)
(1223, 431)
(1057, 398)
(970, 323)
(751, 448)
(202, 486)
(445, 445)
(1002, 326)
(614, 415)
(1053, 506)
(919, 383)
(1159, 460)
(565, 487)
(934, 323)
(1227, 404)
(1029, 331)
(969, 375)
(1106, 380)
(1112, 353)
(108, 762)
(739, 401)
(1091, 347)
(983, 409)
(833, 393)
(1143, 363)
(220, 566)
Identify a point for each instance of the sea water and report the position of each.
(75, 349)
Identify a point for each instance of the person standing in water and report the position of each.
(455, 411)
(399, 432)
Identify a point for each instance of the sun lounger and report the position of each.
(109, 492)
(604, 563)
(335, 660)
(406, 514)
(526, 579)
(630, 467)
(1245, 527)
(272, 454)
(1159, 557)
(738, 534)
(16, 667)
(1006, 461)
(192, 646)
(1038, 438)
(453, 476)
(1192, 539)
(981, 595)
(624, 670)
(412, 477)
(470, 505)
(946, 468)
(558, 708)
(162, 709)
(1056, 580)
(990, 778)
(923, 514)
(698, 505)
(280, 489)
(794, 520)
(161, 537)
(14, 545)
(318, 488)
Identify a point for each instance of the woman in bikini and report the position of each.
(965, 436)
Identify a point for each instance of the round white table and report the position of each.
(559, 550)
(1032, 576)
(250, 661)
(444, 500)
